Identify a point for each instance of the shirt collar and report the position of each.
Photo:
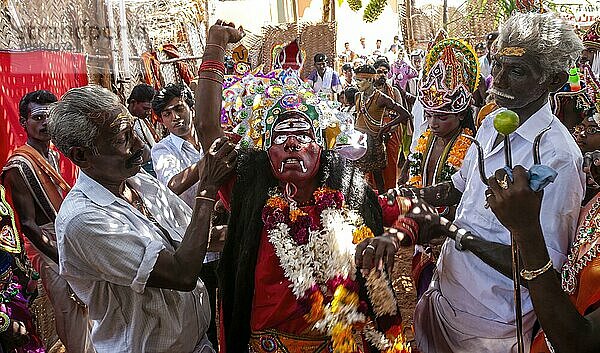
(177, 141)
(94, 191)
(532, 126)
(101, 196)
(539, 120)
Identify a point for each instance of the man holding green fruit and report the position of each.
(469, 306)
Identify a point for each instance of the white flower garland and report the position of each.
(377, 339)
(329, 253)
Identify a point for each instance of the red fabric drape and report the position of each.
(23, 72)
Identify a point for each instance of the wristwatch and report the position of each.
(458, 239)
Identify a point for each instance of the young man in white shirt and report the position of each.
(139, 105)
(324, 80)
(177, 163)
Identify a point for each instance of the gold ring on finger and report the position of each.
(504, 182)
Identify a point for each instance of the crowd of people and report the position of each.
(264, 213)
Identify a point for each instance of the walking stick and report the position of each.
(514, 247)
(515, 262)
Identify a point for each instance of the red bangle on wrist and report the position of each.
(214, 64)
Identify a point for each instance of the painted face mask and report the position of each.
(294, 154)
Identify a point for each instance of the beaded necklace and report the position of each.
(587, 234)
(372, 124)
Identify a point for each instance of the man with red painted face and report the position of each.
(32, 176)
(295, 204)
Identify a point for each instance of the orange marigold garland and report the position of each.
(451, 158)
(361, 233)
(294, 214)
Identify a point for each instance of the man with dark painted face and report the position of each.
(470, 304)
(130, 248)
(324, 80)
(394, 149)
(33, 178)
(288, 257)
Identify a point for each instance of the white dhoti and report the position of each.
(441, 328)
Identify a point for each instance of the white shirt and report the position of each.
(485, 66)
(107, 250)
(329, 83)
(466, 281)
(363, 51)
(170, 157)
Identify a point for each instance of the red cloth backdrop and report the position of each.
(23, 72)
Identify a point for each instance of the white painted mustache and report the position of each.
(500, 94)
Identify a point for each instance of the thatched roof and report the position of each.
(471, 21)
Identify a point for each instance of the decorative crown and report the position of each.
(591, 38)
(252, 105)
(450, 76)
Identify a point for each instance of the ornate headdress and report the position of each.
(591, 38)
(253, 104)
(450, 76)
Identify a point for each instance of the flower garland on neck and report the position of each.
(318, 259)
(449, 162)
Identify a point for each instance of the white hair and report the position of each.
(76, 118)
(546, 37)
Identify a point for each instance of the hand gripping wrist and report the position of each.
(460, 234)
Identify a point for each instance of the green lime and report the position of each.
(506, 122)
